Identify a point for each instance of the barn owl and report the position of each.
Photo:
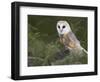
(67, 37)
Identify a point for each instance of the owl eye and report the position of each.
(59, 27)
(63, 26)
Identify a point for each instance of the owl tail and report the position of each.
(84, 50)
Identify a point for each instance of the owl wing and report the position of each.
(71, 40)
(72, 37)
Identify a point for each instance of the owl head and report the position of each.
(63, 27)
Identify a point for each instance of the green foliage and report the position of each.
(43, 45)
(72, 59)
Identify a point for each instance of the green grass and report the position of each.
(44, 47)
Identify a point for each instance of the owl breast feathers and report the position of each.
(69, 40)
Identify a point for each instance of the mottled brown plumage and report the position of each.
(69, 40)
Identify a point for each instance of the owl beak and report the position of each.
(61, 30)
